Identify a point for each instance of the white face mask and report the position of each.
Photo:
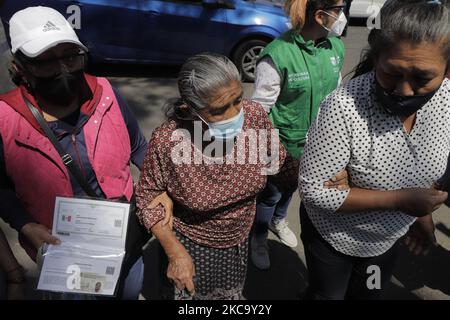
(338, 26)
(225, 129)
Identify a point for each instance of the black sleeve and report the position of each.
(444, 181)
(137, 139)
(11, 208)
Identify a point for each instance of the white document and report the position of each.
(89, 258)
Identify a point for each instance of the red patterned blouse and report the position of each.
(214, 198)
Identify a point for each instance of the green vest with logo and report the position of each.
(308, 74)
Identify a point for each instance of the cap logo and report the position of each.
(49, 26)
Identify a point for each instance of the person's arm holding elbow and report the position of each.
(151, 184)
(417, 202)
(327, 152)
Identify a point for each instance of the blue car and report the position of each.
(169, 31)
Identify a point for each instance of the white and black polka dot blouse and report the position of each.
(353, 131)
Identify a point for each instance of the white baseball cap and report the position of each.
(36, 29)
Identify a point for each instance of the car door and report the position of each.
(109, 28)
(176, 29)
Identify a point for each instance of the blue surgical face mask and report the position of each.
(225, 129)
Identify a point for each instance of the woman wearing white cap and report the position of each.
(92, 123)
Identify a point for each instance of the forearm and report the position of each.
(12, 210)
(7, 260)
(360, 200)
(167, 239)
(151, 184)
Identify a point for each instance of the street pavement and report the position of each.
(147, 90)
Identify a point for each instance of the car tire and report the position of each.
(245, 58)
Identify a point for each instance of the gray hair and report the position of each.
(200, 77)
(415, 21)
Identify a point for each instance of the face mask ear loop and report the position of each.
(22, 75)
(198, 115)
(330, 15)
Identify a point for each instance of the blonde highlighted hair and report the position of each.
(300, 11)
(296, 10)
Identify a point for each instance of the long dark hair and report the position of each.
(415, 21)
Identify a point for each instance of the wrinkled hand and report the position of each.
(167, 203)
(16, 291)
(38, 234)
(339, 181)
(420, 202)
(181, 271)
(420, 237)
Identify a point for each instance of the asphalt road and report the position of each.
(147, 89)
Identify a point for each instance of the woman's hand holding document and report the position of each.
(89, 258)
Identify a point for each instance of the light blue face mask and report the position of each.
(225, 129)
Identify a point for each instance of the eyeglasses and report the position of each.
(340, 7)
(52, 67)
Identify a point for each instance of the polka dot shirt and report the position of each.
(353, 131)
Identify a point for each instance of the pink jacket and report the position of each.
(37, 171)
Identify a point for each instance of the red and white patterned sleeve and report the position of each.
(152, 182)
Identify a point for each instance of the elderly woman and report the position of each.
(389, 127)
(214, 191)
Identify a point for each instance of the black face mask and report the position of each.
(402, 106)
(60, 89)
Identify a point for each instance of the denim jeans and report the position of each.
(271, 205)
(134, 281)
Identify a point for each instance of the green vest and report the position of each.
(308, 74)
